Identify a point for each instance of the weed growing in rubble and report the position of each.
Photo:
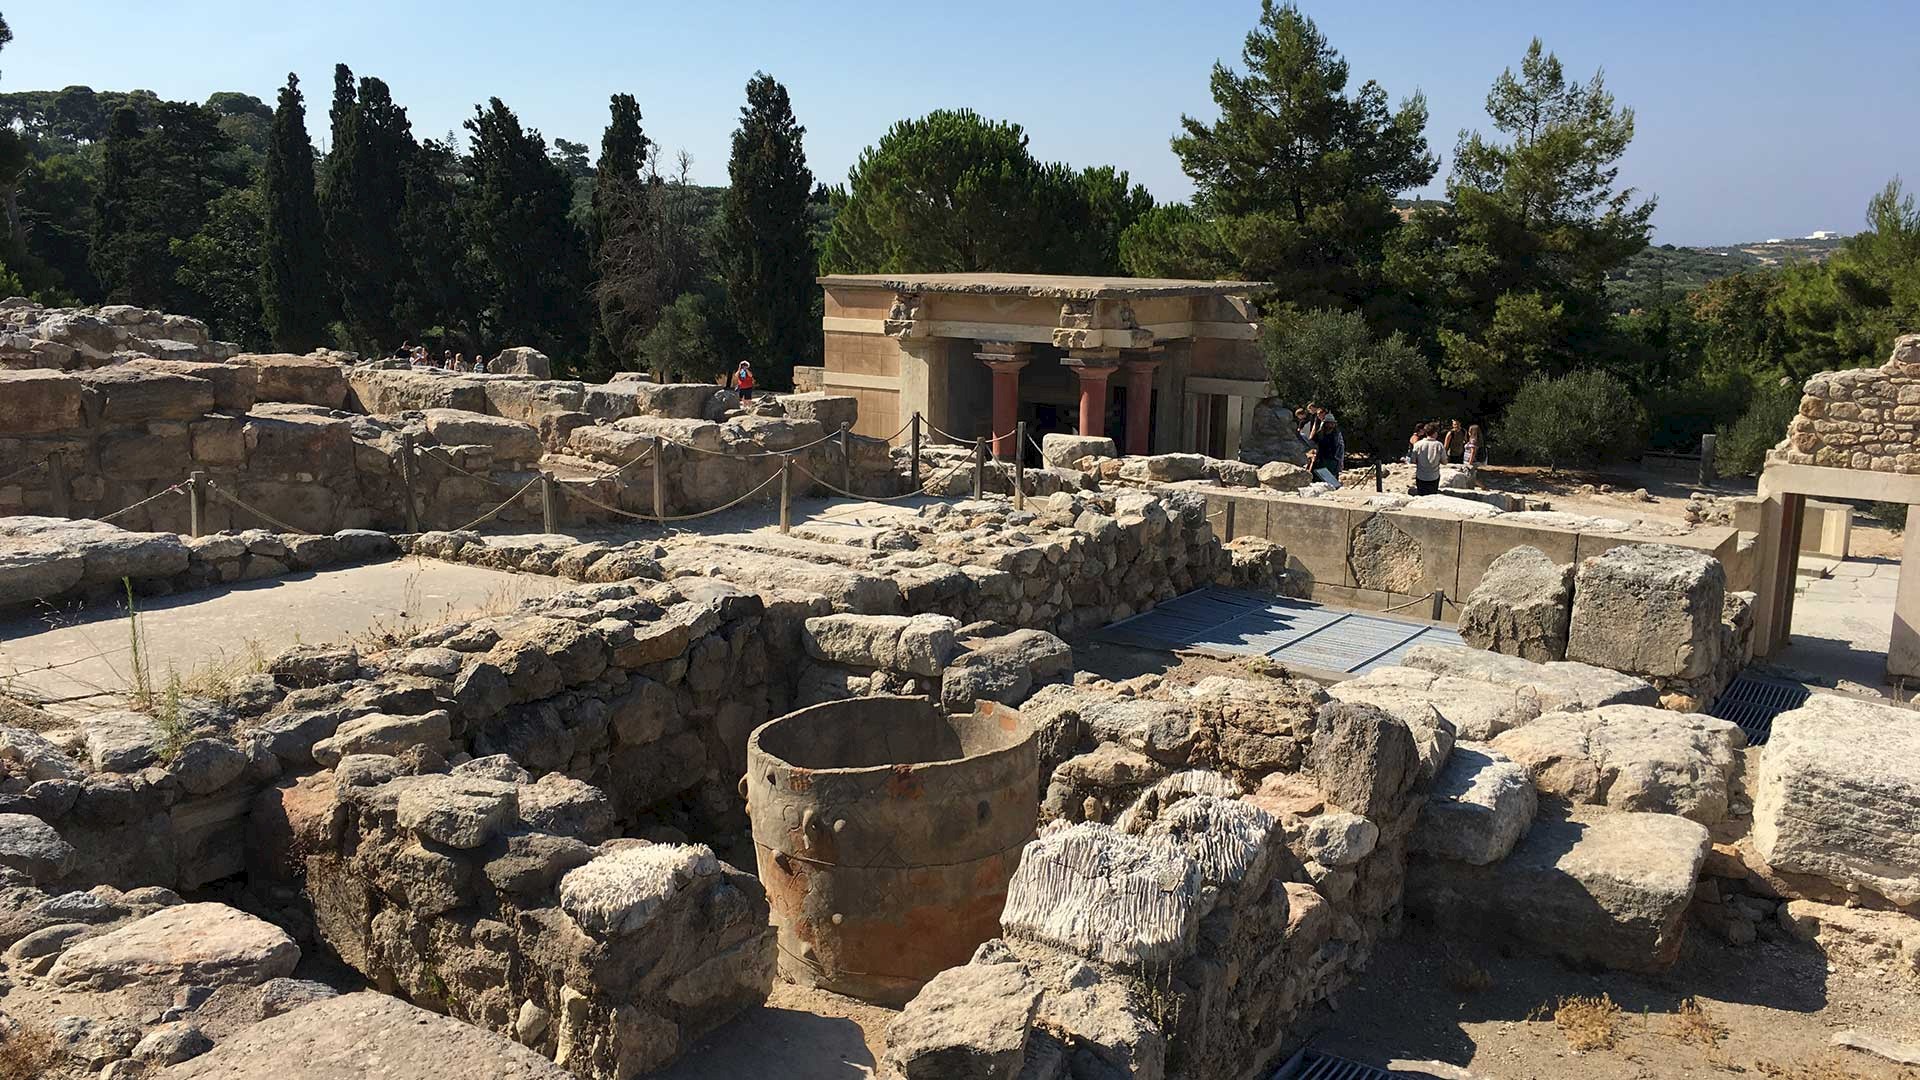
(1589, 1023)
(174, 727)
(142, 698)
(26, 1052)
(1691, 1024)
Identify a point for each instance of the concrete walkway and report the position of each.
(1842, 622)
(83, 662)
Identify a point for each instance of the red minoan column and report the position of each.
(1004, 359)
(1140, 401)
(1092, 369)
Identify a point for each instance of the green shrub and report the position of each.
(1585, 418)
(1742, 447)
(1892, 515)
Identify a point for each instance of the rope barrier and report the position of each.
(1427, 599)
(491, 514)
(180, 487)
(254, 510)
(422, 451)
(922, 490)
(958, 439)
(586, 498)
(23, 472)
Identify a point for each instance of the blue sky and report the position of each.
(1756, 119)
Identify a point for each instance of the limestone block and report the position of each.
(1838, 796)
(126, 395)
(828, 410)
(306, 380)
(366, 1034)
(1595, 887)
(915, 644)
(379, 733)
(457, 812)
(1521, 607)
(1003, 668)
(621, 891)
(969, 1021)
(1476, 710)
(1365, 760)
(33, 848)
(521, 360)
(1632, 757)
(32, 569)
(1060, 451)
(39, 402)
(1481, 804)
(1556, 686)
(512, 441)
(122, 742)
(1284, 476)
(686, 401)
(1650, 609)
(234, 385)
(187, 944)
(1163, 468)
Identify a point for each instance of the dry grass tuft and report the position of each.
(1690, 1023)
(1589, 1023)
(26, 1052)
(1465, 974)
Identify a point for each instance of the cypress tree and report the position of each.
(293, 272)
(363, 206)
(621, 241)
(767, 252)
(533, 265)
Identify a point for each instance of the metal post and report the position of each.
(786, 493)
(549, 504)
(57, 485)
(1378, 483)
(846, 457)
(913, 466)
(406, 483)
(1233, 505)
(197, 502)
(659, 483)
(1019, 466)
(1439, 602)
(979, 467)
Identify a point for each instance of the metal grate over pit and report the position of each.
(1314, 1065)
(1752, 702)
(1296, 633)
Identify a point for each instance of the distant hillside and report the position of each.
(1667, 269)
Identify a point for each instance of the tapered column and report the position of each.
(1140, 372)
(1092, 367)
(1005, 359)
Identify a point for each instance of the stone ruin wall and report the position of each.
(606, 711)
(315, 441)
(1865, 418)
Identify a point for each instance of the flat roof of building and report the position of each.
(1060, 286)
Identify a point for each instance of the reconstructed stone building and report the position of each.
(1161, 365)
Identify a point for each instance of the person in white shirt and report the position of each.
(1429, 453)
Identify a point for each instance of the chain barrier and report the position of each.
(177, 488)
